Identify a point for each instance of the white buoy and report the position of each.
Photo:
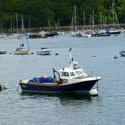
(93, 92)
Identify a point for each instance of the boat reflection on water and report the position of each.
(65, 99)
(77, 99)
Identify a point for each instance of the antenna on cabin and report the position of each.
(73, 64)
(71, 58)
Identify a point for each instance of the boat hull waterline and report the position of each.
(21, 52)
(84, 86)
(43, 52)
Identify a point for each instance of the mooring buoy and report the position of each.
(93, 92)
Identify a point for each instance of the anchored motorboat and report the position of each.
(44, 51)
(22, 50)
(69, 79)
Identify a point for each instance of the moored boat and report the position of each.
(114, 31)
(44, 51)
(49, 34)
(70, 79)
(122, 53)
(21, 51)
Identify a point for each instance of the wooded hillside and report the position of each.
(39, 13)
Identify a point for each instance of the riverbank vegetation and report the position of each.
(42, 13)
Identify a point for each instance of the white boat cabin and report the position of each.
(72, 72)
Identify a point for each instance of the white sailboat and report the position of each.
(115, 29)
(74, 24)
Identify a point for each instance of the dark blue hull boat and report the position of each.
(85, 86)
(69, 79)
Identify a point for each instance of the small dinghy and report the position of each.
(68, 80)
(44, 51)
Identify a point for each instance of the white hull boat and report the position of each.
(44, 51)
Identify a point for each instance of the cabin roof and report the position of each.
(69, 69)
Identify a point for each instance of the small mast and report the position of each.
(71, 58)
(73, 65)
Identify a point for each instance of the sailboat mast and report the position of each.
(1, 29)
(29, 25)
(75, 18)
(93, 21)
(22, 25)
(113, 13)
(17, 23)
(23, 32)
(84, 18)
(90, 21)
(72, 24)
(11, 27)
(58, 24)
(101, 20)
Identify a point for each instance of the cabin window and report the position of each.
(78, 72)
(65, 74)
(72, 74)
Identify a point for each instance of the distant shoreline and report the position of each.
(67, 28)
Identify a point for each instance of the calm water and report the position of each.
(106, 109)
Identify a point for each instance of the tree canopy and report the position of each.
(50, 12)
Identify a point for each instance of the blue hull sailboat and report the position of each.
(21, 50)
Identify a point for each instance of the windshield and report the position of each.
(79, 73)
(65, 74)
(72, 74)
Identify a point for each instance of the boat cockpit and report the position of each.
(72, 74)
